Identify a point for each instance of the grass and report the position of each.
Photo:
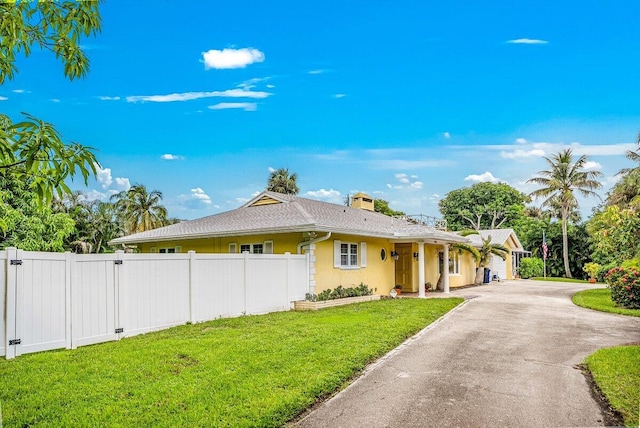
(617, 373)
(248, 371)
(555, 279)
(600, 300)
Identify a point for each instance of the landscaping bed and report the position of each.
(306, 305)
(599, 299)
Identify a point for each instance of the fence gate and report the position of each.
(37, 302)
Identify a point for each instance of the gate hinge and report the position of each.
(118, 262)
(119, 330)
(16, 262)
(13, 342)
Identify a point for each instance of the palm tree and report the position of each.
(483, 254)
(281, 181)
(565, 176)
(140, 209)
(626, 192)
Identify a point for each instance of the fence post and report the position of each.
(246, 278)
(192, 266)
(11, 305)
(67, 299)
(287, 277)
(117, 273)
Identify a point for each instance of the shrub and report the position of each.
(592, 269)
(530, 267)
(340, 292)
(624, 283)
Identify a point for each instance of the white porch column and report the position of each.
(421, 292)
(445, 268)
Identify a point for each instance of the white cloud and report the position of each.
(521, 141)
(271, 86)
(93, 195)
(318, 71)
(103, 176)
(339, 95)
(231, 58)
(447, 135)
(226, 106)
(592, 165)
(107, 98)
(271, 169)
(122, 183)
(487, 176)
(169, 156)
(251, 83)
(528, 41)
(54, 100)
(197, 198)
(3, 98)
(189, 96)
(324, 194)
(405, 182)
(518, 153)
(20, 91)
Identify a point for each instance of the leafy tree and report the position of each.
(615, 235)
(96, 222)
(33, 148)
(26, 224)
(140, 209)
(565, 176)
(482, 206)
(382, 206)
(626, 192)
(281, 181)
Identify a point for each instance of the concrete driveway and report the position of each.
(507, 357)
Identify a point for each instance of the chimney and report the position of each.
(362, 201)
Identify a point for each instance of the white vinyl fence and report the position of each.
(64, 300)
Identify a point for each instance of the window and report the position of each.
(167, 250)
(261, 248)
(348, 255)
(454, 262)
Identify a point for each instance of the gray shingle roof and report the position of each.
(292, 214)
(498, 236)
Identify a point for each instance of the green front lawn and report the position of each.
(617, 373)
(600, 300)
(248, 371)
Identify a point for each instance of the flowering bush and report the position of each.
(624, 283)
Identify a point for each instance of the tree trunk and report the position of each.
(565, 243)
(479, 276)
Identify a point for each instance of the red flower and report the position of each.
(628, 288)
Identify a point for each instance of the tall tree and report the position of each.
(626, 192)
(140, 209)
(33, 148)
(482, 206)
(281, 181)
(566, 176)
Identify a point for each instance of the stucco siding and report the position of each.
(378, 274)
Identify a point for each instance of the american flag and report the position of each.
(545, 249)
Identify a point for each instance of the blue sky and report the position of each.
(404, 100)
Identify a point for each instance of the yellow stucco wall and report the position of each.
(378, 274)
(282, 243)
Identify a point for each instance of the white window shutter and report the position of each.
(268, 247)
(363, 254)
(233, 248)
(336, 254)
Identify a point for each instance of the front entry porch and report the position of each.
(416, 264)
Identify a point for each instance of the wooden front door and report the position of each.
(404, 267)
